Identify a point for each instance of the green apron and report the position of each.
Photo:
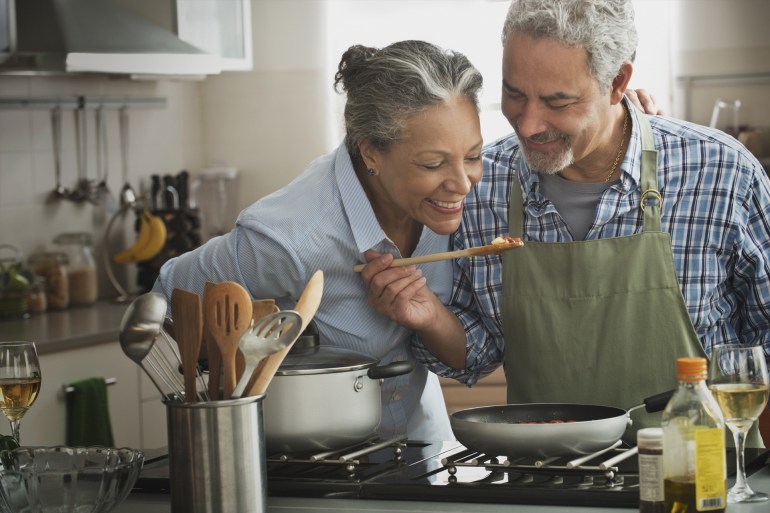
(597, 321)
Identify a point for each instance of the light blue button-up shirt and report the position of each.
(323, 220)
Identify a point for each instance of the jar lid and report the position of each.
(323, 359)
(48, 256)
(73, 238)
(651, 438)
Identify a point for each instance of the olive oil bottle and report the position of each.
(694, 467)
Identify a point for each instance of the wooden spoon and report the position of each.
(490, 249)
(188, 331)
(307, 305)
(227, 314)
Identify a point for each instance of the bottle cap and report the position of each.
(651, 438)
(691, 368)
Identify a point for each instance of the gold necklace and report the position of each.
(620, 148)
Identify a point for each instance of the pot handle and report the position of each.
(391, 370)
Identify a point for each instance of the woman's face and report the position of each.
(426, 177)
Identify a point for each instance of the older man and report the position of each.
(646, 238)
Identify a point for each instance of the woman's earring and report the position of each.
(371, 171)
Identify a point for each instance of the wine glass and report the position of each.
(19, 381)
(739, 381)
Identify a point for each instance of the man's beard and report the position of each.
(551, 162)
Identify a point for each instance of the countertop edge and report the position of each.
(68, 329)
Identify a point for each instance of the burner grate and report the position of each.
(348, 462)
(554, 466)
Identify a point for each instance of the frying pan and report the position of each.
(527, 429)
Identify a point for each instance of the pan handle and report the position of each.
(391, 370)
(656, 402)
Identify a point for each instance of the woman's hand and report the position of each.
(399, 293)
(644, 101)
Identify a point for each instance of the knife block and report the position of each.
(182, 235)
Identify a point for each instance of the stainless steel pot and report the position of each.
(529, 429)
(324, 398)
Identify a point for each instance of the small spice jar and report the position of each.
(81, 267)
(37, 299)
(52, 267)
(650, 444)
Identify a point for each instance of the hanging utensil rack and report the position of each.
(85, 189)
(81, 102)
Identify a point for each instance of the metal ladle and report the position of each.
(127, 194)
(60, 192)
(141, 325)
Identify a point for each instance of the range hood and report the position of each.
(95, 36)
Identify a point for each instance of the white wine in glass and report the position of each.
(19, 381)
(739, 382)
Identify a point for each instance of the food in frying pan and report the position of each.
(554, 421)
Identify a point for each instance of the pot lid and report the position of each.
(313, 358)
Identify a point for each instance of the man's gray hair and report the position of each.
(605, 28)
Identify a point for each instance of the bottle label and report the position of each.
(651, 477)
(710, 486)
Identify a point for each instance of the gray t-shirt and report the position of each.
(575, 201)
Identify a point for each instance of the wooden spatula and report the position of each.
(227, 314)
(307, 305)
(188, 329)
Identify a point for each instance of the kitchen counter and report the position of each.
(67, 329)
(148, 503)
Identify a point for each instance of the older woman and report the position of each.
(411, 154)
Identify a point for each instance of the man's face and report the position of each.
(555, 106)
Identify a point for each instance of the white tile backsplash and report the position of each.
(161, 141)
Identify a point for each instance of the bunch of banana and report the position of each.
(149, 241)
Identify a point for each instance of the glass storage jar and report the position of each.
(14, 283)
(52, 267)
(81, 267)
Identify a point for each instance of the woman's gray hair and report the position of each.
(385, 86)
(605, 28)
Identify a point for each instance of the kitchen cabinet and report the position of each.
(216, 27)
(153, 415)
(46, 422)
(486, 392)
(219, 28)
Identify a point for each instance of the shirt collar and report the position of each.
(631, 167)
(367, 232)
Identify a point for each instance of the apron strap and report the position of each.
(650, 200)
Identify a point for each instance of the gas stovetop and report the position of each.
(398, 469)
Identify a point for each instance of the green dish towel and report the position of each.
(88, 414)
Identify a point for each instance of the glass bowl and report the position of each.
(67, 479)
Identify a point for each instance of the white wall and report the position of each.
(271, 122)
(726, 38)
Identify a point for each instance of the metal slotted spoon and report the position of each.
(271, 334)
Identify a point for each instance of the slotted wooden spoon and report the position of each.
(188, 332)
(227, 313)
